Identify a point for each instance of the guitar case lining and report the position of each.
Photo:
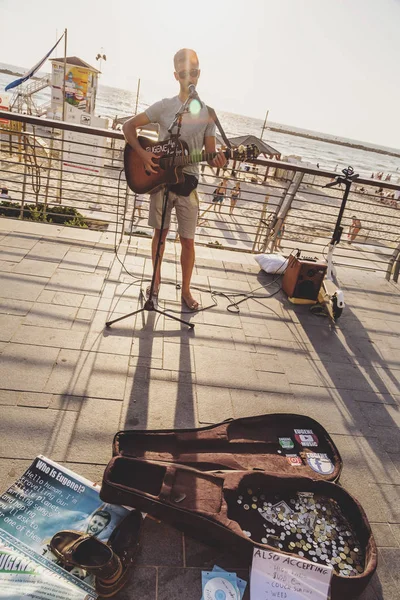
(241, 444)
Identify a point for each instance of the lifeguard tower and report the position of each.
(81, 81)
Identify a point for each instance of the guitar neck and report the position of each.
(195, 157)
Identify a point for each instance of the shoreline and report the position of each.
(277, 129)
(15, 74)
(336, 142)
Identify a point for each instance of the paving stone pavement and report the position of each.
(67, 383)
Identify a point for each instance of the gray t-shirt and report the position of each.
(195, 127)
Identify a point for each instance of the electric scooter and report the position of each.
(330, 296)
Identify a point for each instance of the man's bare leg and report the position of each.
(187, 264)
(154, 244)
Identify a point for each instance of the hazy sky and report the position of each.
(327, 65)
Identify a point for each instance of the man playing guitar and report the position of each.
(198, 131)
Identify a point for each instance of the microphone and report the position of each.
(193, 93)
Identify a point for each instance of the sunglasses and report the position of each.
(192, 73)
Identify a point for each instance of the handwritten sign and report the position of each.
(281, 577)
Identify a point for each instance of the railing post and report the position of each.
(396, 269)
(124, 216)
(282, 211)
(49, 166)
(394, 260)
(262, 223)
(112, 151)
(23, 148)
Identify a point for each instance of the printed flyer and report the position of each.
(46, 499)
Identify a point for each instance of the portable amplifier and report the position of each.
(303, 278)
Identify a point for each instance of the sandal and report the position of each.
(111, 563)
(63, 540)
(124, 541)
(193, 306)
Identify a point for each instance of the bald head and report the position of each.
(185, 57)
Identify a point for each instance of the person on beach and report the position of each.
(4, 194)
(235, 195)
(219, 194)
(279, 236)
(354, 229)
(198, 131)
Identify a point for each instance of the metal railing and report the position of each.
(59, 172)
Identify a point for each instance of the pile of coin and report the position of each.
(311, 526)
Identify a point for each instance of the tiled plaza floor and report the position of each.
(67, 383)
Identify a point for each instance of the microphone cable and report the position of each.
(233, 307)
(138, 280)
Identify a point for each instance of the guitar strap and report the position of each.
(190, 182)
(214, 117)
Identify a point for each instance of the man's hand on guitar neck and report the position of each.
(218, 161)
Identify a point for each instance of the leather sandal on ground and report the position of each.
(193, 306)
(64, 539)
(111, 563)
(86, 552)
(124, 541)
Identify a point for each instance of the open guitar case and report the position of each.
(200, 480)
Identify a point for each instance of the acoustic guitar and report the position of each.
(172, 155)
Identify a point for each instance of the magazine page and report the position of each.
(46, 499)
(23, 577)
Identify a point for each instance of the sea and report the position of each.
(112, 102)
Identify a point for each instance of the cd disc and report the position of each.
(219, 588)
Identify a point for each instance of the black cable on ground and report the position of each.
(138, 280)
(233, 307)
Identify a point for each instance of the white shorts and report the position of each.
(186, 209)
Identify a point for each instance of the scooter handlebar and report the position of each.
(332, 183)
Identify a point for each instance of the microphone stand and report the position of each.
(149, 303)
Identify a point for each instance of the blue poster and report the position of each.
(46, 499)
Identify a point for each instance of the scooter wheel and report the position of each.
(318, 310)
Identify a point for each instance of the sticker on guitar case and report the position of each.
(306, 437)
(294, 460)
(320, 463)
(286, 443)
